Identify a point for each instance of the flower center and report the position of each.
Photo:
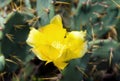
(57, 45)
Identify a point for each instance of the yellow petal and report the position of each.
(60, 64)
(53, 32)
(46, 53)
(76, 35)
(57, 20)
(77, 52)
(76, 46)
(35, 38)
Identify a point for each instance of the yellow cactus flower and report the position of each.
(52, 43)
